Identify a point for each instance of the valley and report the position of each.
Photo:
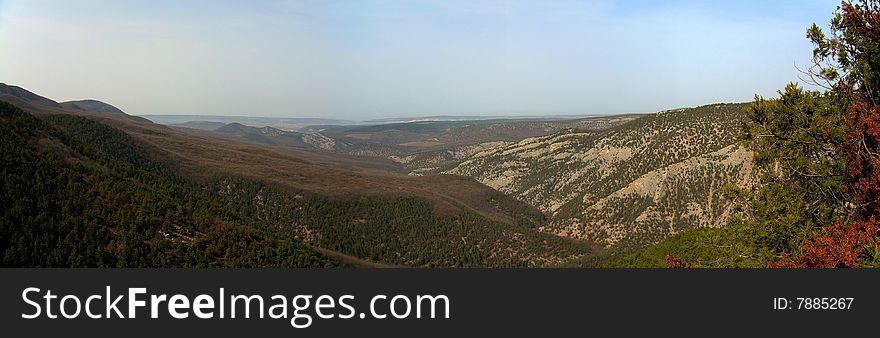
(445, 193)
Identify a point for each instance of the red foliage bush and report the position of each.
(836, 246)
(863, 163)
(676, 262)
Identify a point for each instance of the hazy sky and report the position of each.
(371, 59)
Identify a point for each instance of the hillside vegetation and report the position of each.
(398, 230)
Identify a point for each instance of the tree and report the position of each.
(819, 151)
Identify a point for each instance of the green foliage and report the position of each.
(847, 58)
(522, 214)
(735, 245)
(78, 193)
(796, 140)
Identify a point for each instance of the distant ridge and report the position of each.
(460, 118)
(201, 125)
(284, 123)
(235, 127)
(266, 135)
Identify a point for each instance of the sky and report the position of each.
(378, 59)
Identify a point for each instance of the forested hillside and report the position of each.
(399, 230)
(78, 193)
